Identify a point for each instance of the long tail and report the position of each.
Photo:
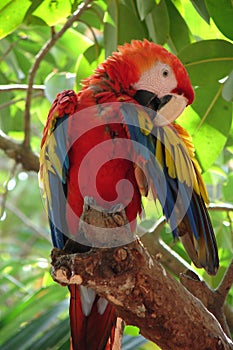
(99, 330)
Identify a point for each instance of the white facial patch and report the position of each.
(159, 79)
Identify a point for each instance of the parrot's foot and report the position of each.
(104, 228)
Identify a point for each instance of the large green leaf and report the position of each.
(28, 308)
(201, 8)
(52, 12)
(227, 91)
(84, 68)
(93, 17)
(228, 189)
(222, 14)
(144, 7)
(179, 35)
(24, 338)
(74, 43)
(12, 15)
(157, 22)
(208, 123)
(55, 337)
(207, 61)
(118, 16)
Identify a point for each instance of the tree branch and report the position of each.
(143, 293)
(220, 207)
(17, 151)
(172, 261)
(23, 87)
(39, 57)
(212, 299)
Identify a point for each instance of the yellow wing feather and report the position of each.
(180, 157)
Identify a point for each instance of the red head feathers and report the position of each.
(125, 67)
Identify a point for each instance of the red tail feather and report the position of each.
(93, 332)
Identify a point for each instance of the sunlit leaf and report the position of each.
(84, 68)
(52, 12)
(228, 189)
(68, 43)
(201, 8)
(205, 123)
(12, 15)
(57, 82)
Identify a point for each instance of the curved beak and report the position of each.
(170, 109)
(167, 108)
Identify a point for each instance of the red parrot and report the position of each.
(108, 146)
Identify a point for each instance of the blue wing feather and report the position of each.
(54, 170)
(183, 208)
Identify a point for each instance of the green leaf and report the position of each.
(179, 35)
(68, 43)
(144, 7)
(84, 68)
(205, 123)
(115, 32)
(57, 82)
(92, 53)
(207, 61)
(228, 189)
(12, 15)
(201, 8)
(157, 22)
(227, 91)
(29, 307)
(24, 338)
(222, 14)
(52, 12)
(94, 16)
(55, 337)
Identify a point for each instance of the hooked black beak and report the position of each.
(150, 100)
(167, 108)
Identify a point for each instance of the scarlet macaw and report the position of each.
(156, 154)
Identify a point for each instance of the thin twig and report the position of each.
(27, 222)
(226, 283)
(12, 173)
(39, 57)
(23, 87)
(220, 207)
(11, 46)
(12, 102)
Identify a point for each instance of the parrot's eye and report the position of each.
(165, 72)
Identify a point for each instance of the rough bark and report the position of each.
(142, 291)
(144, 295)
(20, 153)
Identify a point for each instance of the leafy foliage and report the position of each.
(34, 309)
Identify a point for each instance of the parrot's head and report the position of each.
(155, 77)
